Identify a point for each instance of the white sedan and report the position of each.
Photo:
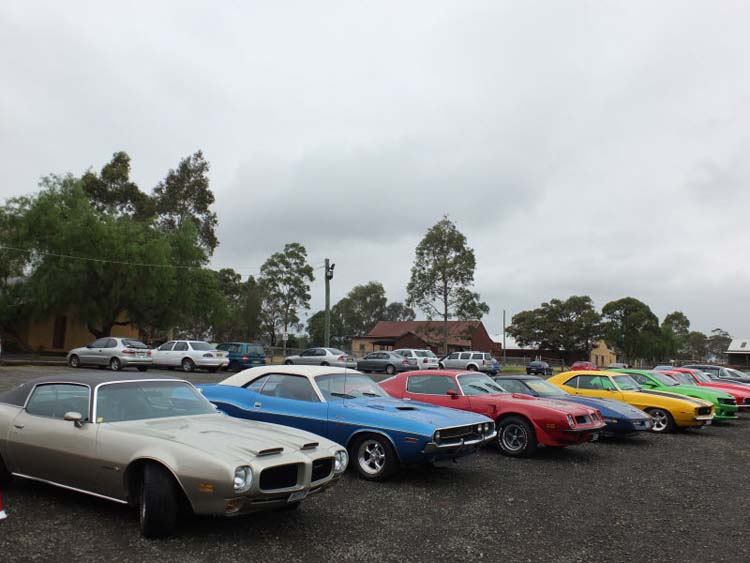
(190, 355)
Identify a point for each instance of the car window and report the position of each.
(100, 343)
(465, 356)
(321, 352)
(257, 384)
(371, 356)
(201, 346)
(256, 349)
(514, 386)
(149, 399)
(595, 383)
(56, 399)
(166, 347)
(477, 356)
(572, 382)
(180, 347)
(479, 384)
(453, 356)
(294, 387)
(308, 352)
(431, 384)
(111, 343)
(224, 347)
(130, 343)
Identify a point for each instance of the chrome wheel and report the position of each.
(188, 365)
(389, 369)
(661, 420)
(514, 438)
(74, 361)
(371, 457)
(115, 364)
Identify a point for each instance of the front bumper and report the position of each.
(459, 447)
(211, 362)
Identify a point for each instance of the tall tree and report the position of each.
(718, 342)
(442, 275)
(674, 329)
(362, 308)
(572, 325)
(185, 195)
(112, 190)
(285, 279)
(697, 345)
(632, 328)
(397, 311)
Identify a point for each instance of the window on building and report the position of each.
(58, 334)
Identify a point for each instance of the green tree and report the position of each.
(112, 191)
(185, 194)
(674, 334)
(362, 308)
(697, 345)
(316, 329)
(285, 279)
(397, 311)
(442, 275)
(632, 328)
(718, 342)
(572, 325)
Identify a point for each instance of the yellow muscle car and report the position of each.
(668, 410)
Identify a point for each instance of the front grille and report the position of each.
(585, 419)
(279, 477)
(455, 433)
(746, 401)
(321, 468)
(727, 401)
(704, 410)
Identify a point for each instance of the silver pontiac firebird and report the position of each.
(157, 444)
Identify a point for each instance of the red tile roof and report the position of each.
(459, 332)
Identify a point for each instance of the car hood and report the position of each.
(608, 407)
(701, 392)
(222, 436)
(413, 411)
(527, 401)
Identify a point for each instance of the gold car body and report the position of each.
(201, 451)
(686, 411)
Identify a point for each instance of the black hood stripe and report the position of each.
(699, 402)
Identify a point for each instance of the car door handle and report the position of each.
(19, 426)
(257, 405)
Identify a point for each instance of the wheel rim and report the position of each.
(514, 438)
(74, 361)
(472, 368)
(389, 370)
(187, 365)
(371, 457)
(661, 420)
(115, 364)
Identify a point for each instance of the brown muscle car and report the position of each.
(157, 444)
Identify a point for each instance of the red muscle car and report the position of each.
(522, 421)
(696, 377)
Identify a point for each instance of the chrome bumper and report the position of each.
(447, 447)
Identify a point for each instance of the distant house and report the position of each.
(601, 355)
(392, 335)
(738, 353)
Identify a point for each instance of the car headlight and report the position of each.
(571, 421)
(479, 428)
(610, 420)
(243, 479)
(487, 427)
(340, 461)
(437, 436)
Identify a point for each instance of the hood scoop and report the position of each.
(310, 446)
(406, 408)
(270, 451)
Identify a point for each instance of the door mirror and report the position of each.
(452, 394)
(75, 418)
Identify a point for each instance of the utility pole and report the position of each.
(505, 355)
(329, 276)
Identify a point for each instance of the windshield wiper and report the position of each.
(343, 395)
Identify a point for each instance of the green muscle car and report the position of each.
(157, 444)
(725, 405)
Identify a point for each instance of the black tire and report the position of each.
(5, 475)
(233, 366)
(213, 370)
(115, 364)
(74, 361)
(324, 364)
(516, 437)
(441, 365)
(471, 367)
(663, 420)
(142, 368)
(373, 468)
(159, 502)
(390, 370)
(289, 363)
(188, 365)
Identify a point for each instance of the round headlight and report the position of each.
(479, 428)
(437, 435)
(487, 427)
(571, 421)
(341, 460)
(243, 479)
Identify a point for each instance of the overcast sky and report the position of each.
(595, 148)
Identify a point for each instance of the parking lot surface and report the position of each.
(678, 497)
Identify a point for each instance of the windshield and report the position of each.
(424, 354)
(544, 388)
(682, 377)
(664, 379)
(738, 374)
(626, 383)
(478, 384)
(348, 386)
(335, 352)
(702, 377)
(149, 399)
(134, 344)
(256, 350)
(201, 346)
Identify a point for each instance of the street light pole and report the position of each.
(329, 276)
(505, 355)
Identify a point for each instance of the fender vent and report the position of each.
(270, 451)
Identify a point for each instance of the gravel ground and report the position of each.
(677, 497)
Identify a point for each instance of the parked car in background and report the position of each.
(385, 361)
(720, 373)
(725, 406)
(425, 359)
(583, 365)
(617, 365)
(322, 357)
(522, 421)
(189, 355)
(243, 355)
(538, 368)
(117, 353)
(621, 419)
(668, 410)
(157, 444)
(739, 391)
(472, 361)
(349, 408)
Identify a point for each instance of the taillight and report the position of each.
(405, 362)
(341, 358)
(126, 351)
(424, 361)
(208, 355)
(245, 358)
(148, 353)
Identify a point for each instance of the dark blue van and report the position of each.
(243, 355)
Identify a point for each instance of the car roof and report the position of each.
(242, 378)
(17, 395)
(517, 376)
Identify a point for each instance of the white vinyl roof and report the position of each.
(242, 378)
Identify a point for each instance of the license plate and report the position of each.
(595, 437)
(708, 423)
(219, 355)
(299, 495)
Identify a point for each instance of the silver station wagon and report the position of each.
(157, 444)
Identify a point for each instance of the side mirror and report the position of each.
(452, 394)
(75, 418)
